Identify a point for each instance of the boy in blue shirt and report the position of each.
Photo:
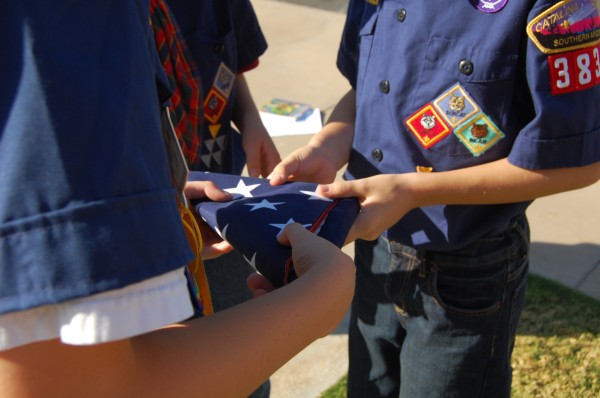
(461, 114)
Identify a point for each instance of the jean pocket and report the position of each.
(469, 289)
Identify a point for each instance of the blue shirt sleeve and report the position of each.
(565, 131)
(86, 203)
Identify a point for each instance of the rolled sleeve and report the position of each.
(565, 131)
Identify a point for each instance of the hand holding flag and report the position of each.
(258, 212)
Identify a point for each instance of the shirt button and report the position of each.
(384, 86)
(401, 15)
(466, 67)
(377, 154)
(218, 48)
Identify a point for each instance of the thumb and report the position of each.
(340, 189)
(293, 233)
(282, 172)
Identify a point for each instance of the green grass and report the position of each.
(557, 350)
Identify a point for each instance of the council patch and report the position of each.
(567, 26)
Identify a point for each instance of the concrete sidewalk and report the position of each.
(300, 65)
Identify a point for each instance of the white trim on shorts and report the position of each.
(108, 316)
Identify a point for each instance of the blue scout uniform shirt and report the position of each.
(86, 203)
(448, 85)
(225, 38)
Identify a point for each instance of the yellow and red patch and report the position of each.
(214, 105)
(428, 126)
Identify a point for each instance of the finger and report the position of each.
(214, 250)
(205, 189)
(253, 163)
(258, 284)
(209, 235)
(271, 160)
(342, 189)
(282, 172)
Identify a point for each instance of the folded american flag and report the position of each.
(258, 213)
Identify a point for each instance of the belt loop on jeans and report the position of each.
(421, 257)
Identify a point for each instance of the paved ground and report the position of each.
(329, 5)
(299, 65)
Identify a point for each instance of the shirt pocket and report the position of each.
(487, 74)
(210, 51)
(365, 37)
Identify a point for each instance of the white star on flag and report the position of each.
(315, 196)
(222, 233)
(252, 262)
(282, 226)
(265, 204)
(242, 189)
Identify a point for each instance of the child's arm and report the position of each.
(386, 198)
(233, 351)
(261, 154)
(212, 244)
(226, 355)
(327, 151)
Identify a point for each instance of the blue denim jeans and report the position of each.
(432, 324)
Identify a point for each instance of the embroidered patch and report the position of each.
(456, 105)
(214, 129)
(479, 134)
(214, 105)
(424, 169)
(575, 70)
(212, 150)
(491, 6)
(428, 126)
(568, 25)
(374, 2)
(224, 80)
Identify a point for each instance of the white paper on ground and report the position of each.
(278, 125)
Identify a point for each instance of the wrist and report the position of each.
(248, 121)
(333, 142)
(412, 188)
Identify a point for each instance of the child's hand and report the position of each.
(212, 244)
(205, 189)
(307, 163)
(384, 199)
(311, 251)
(261, 154)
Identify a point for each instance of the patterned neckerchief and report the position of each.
(184, 79)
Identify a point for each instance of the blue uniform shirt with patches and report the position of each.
(224, 37)
(403, 56)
